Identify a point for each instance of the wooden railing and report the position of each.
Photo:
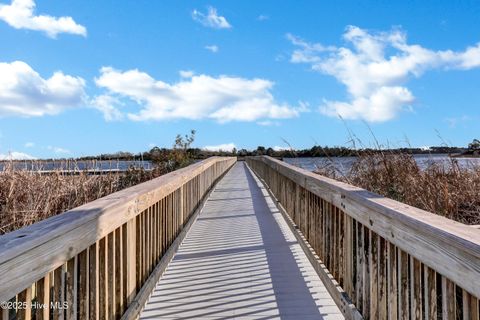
(92, 262)
(386, 260)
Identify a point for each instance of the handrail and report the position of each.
(96, 257)
(392, 260)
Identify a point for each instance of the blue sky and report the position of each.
(88, 77)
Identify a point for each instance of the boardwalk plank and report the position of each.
(240, 259)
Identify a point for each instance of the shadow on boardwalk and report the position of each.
(240, 260)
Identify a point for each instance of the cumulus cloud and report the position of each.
(211, 19)
(221, 147)
(268, 123)
(14, 155)
(213, 48)
(59, 150)
(23, 92)
(222, 98)
(20, 15)
(109, 106)
(263, 17)
(186, 73)
(29, 145)
(374, 67)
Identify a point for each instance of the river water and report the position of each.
(343, 164)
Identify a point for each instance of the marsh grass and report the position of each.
(30, 196)
(442, 188)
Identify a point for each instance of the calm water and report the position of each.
(78, 165)
(343, 164)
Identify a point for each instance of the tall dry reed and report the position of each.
(30, 196)
(442, 188)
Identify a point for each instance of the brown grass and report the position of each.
(445, 189)
(29, 196)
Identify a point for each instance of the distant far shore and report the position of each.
(466, 155)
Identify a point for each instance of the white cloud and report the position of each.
(14, 155)
(29, 145)
(211, 19)
(109, 106)
(59, 150)
(263, 17)
(279, 148)
(268, 123)
(374, 67)
(221, 147)
(213, 48)
(222, 98)
(23, 92)
(186, 73)
(20, 15)
(380, 105)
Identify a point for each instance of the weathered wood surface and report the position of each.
(399, 262)
(240, 260)
(97, 257)
(451, 248)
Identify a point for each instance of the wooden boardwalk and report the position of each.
(240, 261)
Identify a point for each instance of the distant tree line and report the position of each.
(319, 151)
(182, 152)
(157, 154)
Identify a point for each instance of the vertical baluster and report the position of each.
(71, 289)
(43, 298)
(334, 240)
(118, 271)
(466, 304)
(24, 311)
(392, 282)
(403, 302)
(347, 255)
(94, 270)
(125, 260)
(83, 285)
(475, 308)
(341, 257)
(131, 257)
(60, 291)
(430, 293)
(111, 275)
(382, 278)
(102, 278)
(367, 271)
(156, 250)
(138, 251)
(321, 228)
(148, 237)
(415, 286)
(448, 299)
(360, 266)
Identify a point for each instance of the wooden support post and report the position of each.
(71, 289)
(43, 298)
(392, 282)
(448, 299)
(24, 312)
(94, 281)
(102, 279)
(130, 256)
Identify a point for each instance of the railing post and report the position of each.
(93, 259)
(181, 209)
(130, 256)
